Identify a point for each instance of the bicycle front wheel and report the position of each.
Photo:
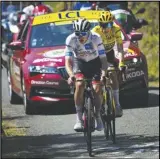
(88, 133)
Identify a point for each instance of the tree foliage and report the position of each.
(150, 42)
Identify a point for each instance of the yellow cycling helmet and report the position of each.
(106, 17)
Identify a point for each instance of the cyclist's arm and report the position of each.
(68, 59)
(68, 62)
(119, 43)
(102, 55)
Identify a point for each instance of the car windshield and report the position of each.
(52, 34)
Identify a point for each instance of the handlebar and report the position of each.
(72, 86)
(112, 69)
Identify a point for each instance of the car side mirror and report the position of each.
(135, 36)
(16, 45)
(140, 23)
(143, 22)
(140, 11)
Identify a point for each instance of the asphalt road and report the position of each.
(52, 136)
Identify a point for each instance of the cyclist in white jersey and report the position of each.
(85, 58)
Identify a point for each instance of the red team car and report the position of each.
(36, 69)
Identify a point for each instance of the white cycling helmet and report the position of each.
(82, 25)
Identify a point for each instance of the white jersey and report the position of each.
(87, 51)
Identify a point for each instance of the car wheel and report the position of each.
(145, 66)
(14, 98)
(143, 94)
(26, 102)
(135, 97)
(143, 97)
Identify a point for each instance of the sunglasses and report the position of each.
(106, 25)
(78, 33)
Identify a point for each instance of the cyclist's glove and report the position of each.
(122, 67)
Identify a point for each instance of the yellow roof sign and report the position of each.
(66, 16)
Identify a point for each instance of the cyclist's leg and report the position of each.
(95, 73)
(79, 90)
(98, 102)
(115, 83)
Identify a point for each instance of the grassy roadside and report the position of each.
(154, 84)
(9, 128)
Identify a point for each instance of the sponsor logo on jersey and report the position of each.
(88, 46)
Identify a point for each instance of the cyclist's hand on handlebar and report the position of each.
(103, 75)
(103, 79)
(71, 80)
(122, 67)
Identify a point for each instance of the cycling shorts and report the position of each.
(90, 70)
(111, 58)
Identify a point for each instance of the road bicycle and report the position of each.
(108, 112)
(88, 113)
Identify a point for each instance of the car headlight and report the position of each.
(43, 69)
(134, 62)
(137, 60)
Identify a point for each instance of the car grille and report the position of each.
(63, 72)
(50, 92)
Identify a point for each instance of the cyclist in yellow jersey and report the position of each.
(111, 36)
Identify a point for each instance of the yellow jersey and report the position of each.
(109, 38)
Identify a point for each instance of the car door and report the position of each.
(17, 58)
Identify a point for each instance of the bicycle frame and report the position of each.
(88, 115)
(88, 93)
(108, 109)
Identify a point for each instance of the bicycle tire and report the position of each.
(104, 116)
(88, 129)
(109, 123)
